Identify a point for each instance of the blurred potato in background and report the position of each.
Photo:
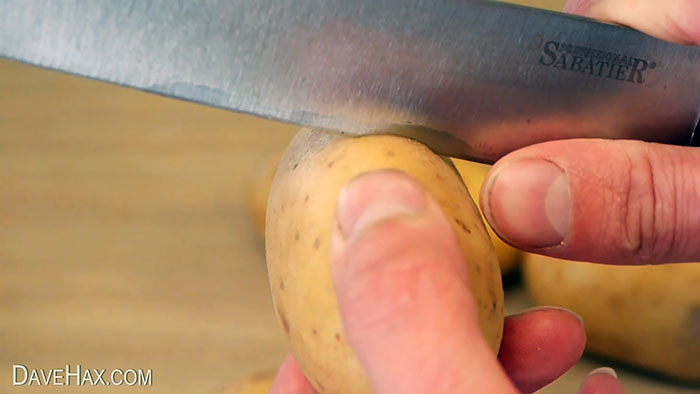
(645, 316)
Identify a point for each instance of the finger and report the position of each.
(619, 202)
(674, 20)
(402, 288)
(601, 381)
(290, 379)
(540, 345)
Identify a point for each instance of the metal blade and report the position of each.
(472, 79)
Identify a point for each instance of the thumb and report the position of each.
(623, 202)
(402, 288)
(674, 20)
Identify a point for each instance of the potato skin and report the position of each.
(646, 316)
(301, 211)
(473, 175)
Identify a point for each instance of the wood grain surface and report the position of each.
(125, 241)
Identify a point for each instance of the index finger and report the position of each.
(673, 20)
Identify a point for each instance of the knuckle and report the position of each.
(580, 7)
(685, 20)
(649, 217)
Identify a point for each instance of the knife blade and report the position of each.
(472, 79)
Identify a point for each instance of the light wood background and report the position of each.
(125, 240)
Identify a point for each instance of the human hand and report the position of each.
(409, 315)
(620, 202)
(608, 201)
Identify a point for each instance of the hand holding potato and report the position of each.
(410, 312)
(399, 301)
(614, 202)
(417, 350)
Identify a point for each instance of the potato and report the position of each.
(301, 211)
(259, 383)
(473, 175)
(646, 316)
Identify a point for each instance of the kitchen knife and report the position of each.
(472, 79)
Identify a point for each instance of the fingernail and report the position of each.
(605, 371)
(377, 196)
(528, 202)
(554, 309)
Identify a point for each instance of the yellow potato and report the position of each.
(257, 384)
(473, 175)
(646, 316)
(301, 211)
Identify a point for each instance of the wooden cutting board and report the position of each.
(125, 241)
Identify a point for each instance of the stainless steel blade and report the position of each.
(472, 79)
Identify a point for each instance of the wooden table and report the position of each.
(125, 241)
